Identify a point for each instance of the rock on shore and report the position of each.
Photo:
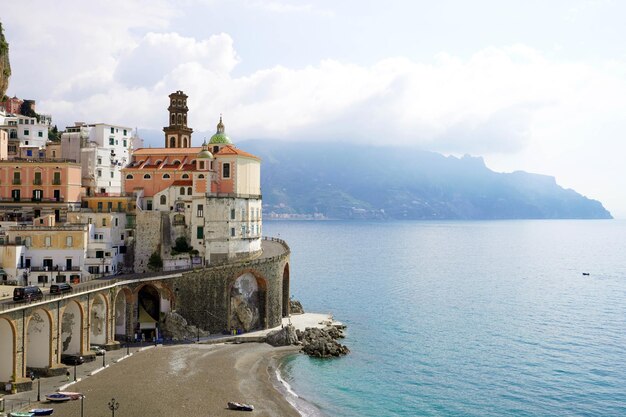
(322, 343)
(295, 307)
(175, 327)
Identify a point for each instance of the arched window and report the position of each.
(185, 176)
(173, 119)
(166, 176)
(129, 177)
(185, 119)
(182, 190)
(184, 142)
(172, 142)
(201, 176)
(158, 162)
(147, 177)
(163, 200)
(180, 119)
(189, 191)
(176, 162)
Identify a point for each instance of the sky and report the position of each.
(538, 86)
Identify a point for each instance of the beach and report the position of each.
(195, 380)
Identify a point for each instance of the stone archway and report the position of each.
(98, 321)
(285, 298)
(122, 301)
(38, 352)
(247, 303)
(7, 350)
(72, 329)
(148, 312)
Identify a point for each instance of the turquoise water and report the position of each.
(464, 318)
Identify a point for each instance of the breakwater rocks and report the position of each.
(316, 342)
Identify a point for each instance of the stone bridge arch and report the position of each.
(72, 328)
(247, 295)
(39, 340)
(148, 310)
(8, 336)
(98, 313)
(122, 313)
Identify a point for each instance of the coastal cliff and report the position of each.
(5, 65)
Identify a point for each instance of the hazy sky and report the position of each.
(538, 86)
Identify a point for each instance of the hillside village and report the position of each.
(90, 201)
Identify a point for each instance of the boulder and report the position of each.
(283, 337)
(175, 327)
(295, 307)
(321, 343)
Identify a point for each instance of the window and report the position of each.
(124, 134)
(185, 176)
(200, 210)
(69, 241)
(99, 205)
(37, 195)
(27, 241)
(182, 190)
(26, 132)
(201, 176)
(125, 143)
(57, 178)
(200, 232)
(232, 232)
(129, 177)
(15, 194)
(243, 231)
(112, 174)
(47, 241)
(111, 141)
(163, 200)
(112, 130)
(146, 177)
(149, 205)
(99, 161)
(116, 221)
(232, 214)
(189, 191)
(166, 176)
(37, 180)
(226, 170)
(110, 206)
(29, 152)
(201, 164)
(104, 221)
(99, 173)
(17, 178)
(40, 134)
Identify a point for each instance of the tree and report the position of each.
(155, 263)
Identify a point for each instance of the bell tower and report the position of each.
(177, 134)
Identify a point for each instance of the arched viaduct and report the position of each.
(242, 295)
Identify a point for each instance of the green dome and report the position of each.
(204, 154)
(220, 136)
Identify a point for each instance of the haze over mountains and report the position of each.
(348, 181)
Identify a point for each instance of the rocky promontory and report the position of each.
(322, 343)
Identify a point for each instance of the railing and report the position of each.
(37, 181)
(56, 181)
(17, 181)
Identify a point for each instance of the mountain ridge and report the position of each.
(349, 181)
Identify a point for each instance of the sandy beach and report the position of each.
(186, 380)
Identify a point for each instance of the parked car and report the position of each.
(30, 293)
(97, 350)
(72, 359)
(60, 288)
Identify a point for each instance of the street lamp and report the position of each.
(127, 345)
(82, 398)
(104, 354)
(76, 360)
(113, 405)
(32, 378)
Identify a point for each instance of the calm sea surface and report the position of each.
(464, 318)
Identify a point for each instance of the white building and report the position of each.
(27, 135)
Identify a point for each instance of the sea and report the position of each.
(463, 318)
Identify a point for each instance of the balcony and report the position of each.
(17, 181)
(37, 181)
(56, 181)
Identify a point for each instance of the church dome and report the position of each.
(220, 137)
(204, 153)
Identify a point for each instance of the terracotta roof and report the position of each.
(167, 151)
(230, 150)
(182, 182)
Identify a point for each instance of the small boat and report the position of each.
(42, 411)
(21, 414)
(239, 406)
(58, 397)
(72, 395)
(585, 273)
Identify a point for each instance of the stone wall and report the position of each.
(204, 295)
(147, 238)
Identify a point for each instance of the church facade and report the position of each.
(210, 195)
